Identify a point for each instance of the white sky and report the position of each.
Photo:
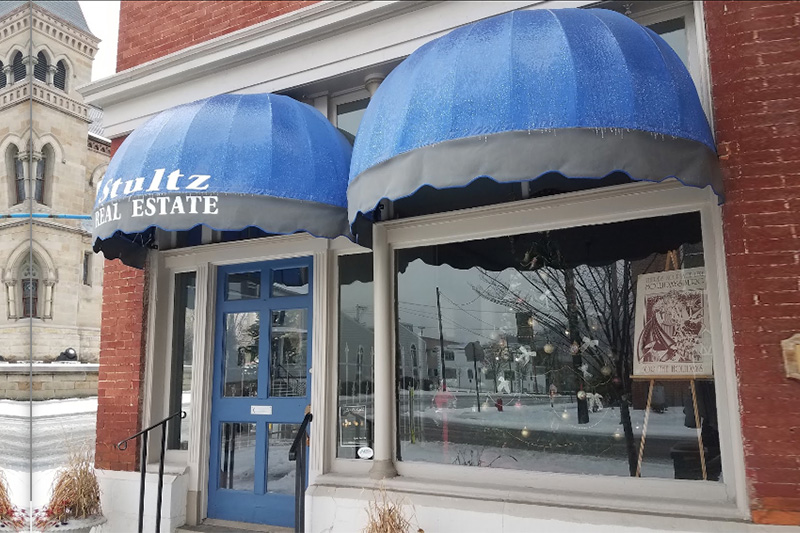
(103, 19)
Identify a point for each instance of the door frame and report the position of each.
(204, 259)
(288, 410)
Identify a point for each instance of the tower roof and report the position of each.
(67, 10)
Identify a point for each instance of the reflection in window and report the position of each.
(242, 332)
(288, 366)
(674, 32)
(237, 457)
(348, 116)
(243, 286)
(289, 282)
(180, 391)
(280, 472)
(356, 355)
(555, 338)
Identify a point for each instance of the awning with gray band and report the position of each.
(228, 163)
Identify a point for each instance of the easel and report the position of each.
(672, 264)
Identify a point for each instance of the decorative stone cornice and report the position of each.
(57, 99)
(67, 34)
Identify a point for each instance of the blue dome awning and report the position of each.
(228, 162)
(584, 93)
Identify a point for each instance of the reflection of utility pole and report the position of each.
(577, 360)
(441, 340)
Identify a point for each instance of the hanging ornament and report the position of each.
(525, 432)
(589, 343)
(606, 370)
(581, 395)
(549, 348)
(574, 349)
(585, 371)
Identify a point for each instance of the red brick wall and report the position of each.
(153, 29)
(121, 362)
(755, 73)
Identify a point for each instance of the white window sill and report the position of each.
(490, 490)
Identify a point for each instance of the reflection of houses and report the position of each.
(414, 363)
(356, 353)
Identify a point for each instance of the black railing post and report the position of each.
(160, 494)
(298, 453)
(123, 445)
(143, 468)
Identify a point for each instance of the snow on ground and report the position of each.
(531, 460)
(563, 419)
(55, 427)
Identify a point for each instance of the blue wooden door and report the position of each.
(262, 386)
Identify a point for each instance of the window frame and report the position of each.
(726, 499)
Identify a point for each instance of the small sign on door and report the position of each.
(260, 409)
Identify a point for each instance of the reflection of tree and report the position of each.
(577, 304)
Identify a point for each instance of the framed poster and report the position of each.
(672, 338)
(353, 426)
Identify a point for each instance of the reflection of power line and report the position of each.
(456, 324)
(467, 312)
(457, 308)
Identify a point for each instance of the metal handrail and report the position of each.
(123, 445)
(298, 453)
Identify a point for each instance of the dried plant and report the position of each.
(385, 515)
(75, 493)
(10, 515)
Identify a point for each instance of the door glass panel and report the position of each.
(290, 282)
(243, 286)
(280, 472)
(237, 456)
(241, 354)
(288, 366)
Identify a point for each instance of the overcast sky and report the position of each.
(103, 19)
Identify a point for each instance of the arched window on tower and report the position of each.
(3, 80)
(40, 69)
(18, 67)
(43, 174)
(29, 277)
(60, 76)
(15, 170)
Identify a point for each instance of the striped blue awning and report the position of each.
(527, 95)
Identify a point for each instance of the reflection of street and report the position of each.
(532, 431)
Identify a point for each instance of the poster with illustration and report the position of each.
(672, 336)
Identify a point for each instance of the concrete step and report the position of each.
(224, 526)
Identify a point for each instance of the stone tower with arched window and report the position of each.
(52, 154)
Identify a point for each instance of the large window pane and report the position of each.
(289, 347)
(242, 331)
(356, 352)
(348, 116)
(180, 392)
(238, 456)
(549, 345)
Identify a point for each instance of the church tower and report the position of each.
(53, 154)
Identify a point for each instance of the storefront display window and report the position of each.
(356, 353)
(584, 350)
(180, 398)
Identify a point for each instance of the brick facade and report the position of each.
(122, 343)
(153, 29)
(754, 56)
(754, 50)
